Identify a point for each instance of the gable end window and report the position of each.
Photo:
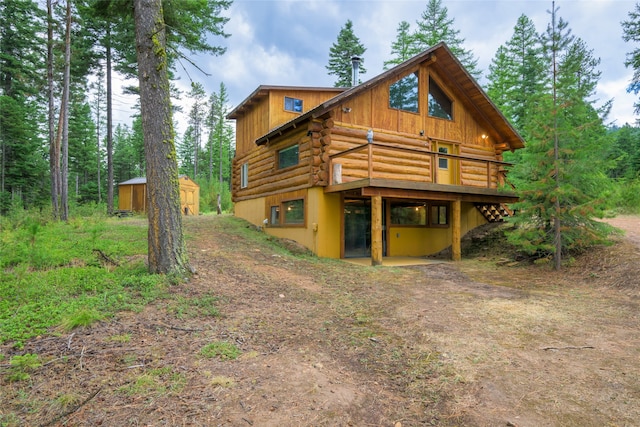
(288, 157)
(440, 105)
(403, 94)
(293, 104)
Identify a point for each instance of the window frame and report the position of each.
(278, 213)
(398, 83)
(294, 102)
(279, 157)
(432, 220)
(244, 175)
(438, 92)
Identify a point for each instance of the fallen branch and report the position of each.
(569, 347)
(72, 410)
(106, 258)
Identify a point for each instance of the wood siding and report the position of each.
(264, 177)
(405, 143)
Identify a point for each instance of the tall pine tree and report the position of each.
(631, 33)
(403, 47)
(435, 26)
(561, 176)
(346, 46)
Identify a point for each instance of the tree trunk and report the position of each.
(54, 147)
(64, 122)
(167, 253)
(109, 126)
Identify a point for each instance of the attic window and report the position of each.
(439, 103)
(403, 94)
(293, 104)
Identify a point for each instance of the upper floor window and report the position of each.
(288, 157)
(293, 104)
(403, 94)
(439, 103)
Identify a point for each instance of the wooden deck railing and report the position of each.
(380, 160)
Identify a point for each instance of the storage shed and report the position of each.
(132, 195)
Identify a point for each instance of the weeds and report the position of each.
(21, 366)
(223, 350)
(50, 275)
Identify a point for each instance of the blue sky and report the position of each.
(287, 42)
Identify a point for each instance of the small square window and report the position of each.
(288, 157)
(443, 162)
(293, 104)
(293, 212)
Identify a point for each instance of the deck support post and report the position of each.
(376, 230)
(456, 251)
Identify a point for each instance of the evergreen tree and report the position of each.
(403, 47)
(197, 116)
(561, 175)
(346, 47)
(22, 169)
(631, 33)
(186, 148)
(517, 75)
(625, 153)
(434, 27)
(220, 141)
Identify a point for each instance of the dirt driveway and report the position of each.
(326, 343)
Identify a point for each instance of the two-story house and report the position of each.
(401, 165)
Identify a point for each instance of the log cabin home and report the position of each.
(403, 164)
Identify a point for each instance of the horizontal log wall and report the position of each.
(474, 173)
(407, 163)
(387, 162)
(264, 177)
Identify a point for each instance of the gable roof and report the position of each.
(456, 76)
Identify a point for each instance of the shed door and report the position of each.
(138, 198)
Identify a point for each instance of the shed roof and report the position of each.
(457, 77)
(140, 180)
(143, 180)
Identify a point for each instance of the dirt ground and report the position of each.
(482, 342)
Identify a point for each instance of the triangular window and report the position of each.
(439, 103)
(403, 94)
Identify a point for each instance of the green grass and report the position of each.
(52, 274)
(223, 350)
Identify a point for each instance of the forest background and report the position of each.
(605, 156)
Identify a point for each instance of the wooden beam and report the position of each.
(376, 230)
(456, 251)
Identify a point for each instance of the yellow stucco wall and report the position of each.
(322, 231)
(420, 241)
(251, 210)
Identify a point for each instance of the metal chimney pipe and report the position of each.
(355, 68)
